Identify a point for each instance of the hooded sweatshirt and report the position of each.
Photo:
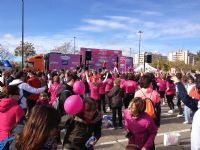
(10, 114)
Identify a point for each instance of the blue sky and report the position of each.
(113, 24)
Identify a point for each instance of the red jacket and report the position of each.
(34, 82)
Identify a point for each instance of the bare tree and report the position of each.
(4, 53)
(65, 48)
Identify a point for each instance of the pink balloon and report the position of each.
(79, 87)
(73, 104)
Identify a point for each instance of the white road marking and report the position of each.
(125, 140)
(170, 118)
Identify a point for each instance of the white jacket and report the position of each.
(25, 86)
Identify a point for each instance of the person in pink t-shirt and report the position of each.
(139, 125)
(129, 86)
(53, 89)
(170, 93)
(161, 82)
(104, 64)
(109, 83)
(94, 88)
(102, 86)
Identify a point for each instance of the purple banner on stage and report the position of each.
(59, 61)
(129, 62)
(98, 56)
(70, 61)
(55, 61)
(122, 64)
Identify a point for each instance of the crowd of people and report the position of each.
(32, 105)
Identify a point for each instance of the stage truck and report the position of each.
(89, 57)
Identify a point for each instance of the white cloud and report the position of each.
(150, 13)
(105, 23)
(90, 28)
(124, 34)
(124, 19)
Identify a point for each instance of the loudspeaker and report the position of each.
(81, 59)
(46, 58)
(149, 58)
(117, 61)
(88, 55)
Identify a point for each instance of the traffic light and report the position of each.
(148, 58)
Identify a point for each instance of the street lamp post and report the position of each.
(140, 32)
(74, 44)
(144, 60)
(22, 34)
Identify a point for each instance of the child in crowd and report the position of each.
(43, 99)
(140, 126)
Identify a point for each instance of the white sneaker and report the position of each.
(180, 115)
(186, 122)
(170, 111)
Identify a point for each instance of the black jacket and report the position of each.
(115, 96)
(78, 131)
(63, 93)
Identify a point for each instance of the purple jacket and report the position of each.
(143, 129)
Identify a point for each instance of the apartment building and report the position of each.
(182, 55)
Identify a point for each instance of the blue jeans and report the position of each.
(187, 113)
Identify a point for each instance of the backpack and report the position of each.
(116, 100)
(9, 143)
(4, 144)
(150, 107)
(194, 93)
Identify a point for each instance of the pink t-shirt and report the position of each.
(146, 93)
(172, 88)
(102, 87)
(94, 91)
(130, 86)
(53, 89)
(109, 85)
(83, 76)
(122, 83)
(10, 114)
(161, 84)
